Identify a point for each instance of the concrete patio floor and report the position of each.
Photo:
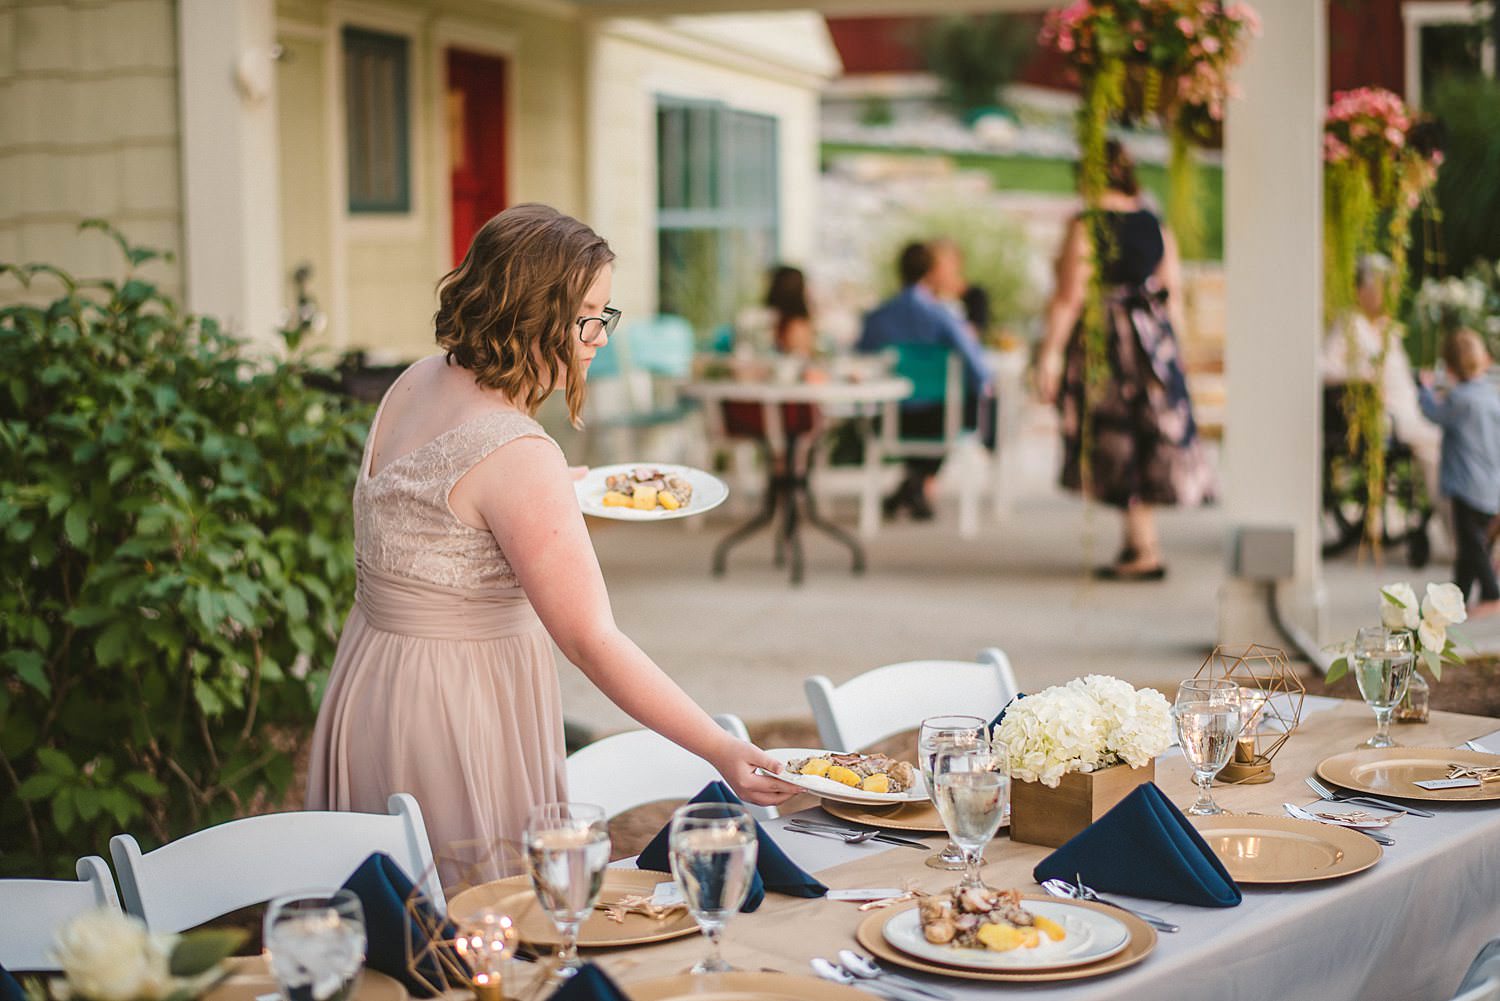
(745, 642)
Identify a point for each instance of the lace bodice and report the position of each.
(402, 522)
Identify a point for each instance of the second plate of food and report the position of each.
(851, 778)
(643, 491)
(1282, 850)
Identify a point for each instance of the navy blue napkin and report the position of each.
(1144, 847)
(383, 889)
(773, 870)
(10, 988)
(1001, 715)
(589, 984)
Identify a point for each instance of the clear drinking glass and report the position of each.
(1207, 717)
(712, 849)
(567, 851)
(939, 732)
(1382, 664)
(970, 793)
(316, 943)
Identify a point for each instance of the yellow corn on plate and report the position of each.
(816, 766)
(879, 782)
(841, 774)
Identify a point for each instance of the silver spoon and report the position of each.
(1062, 888)
(837, 974)
(864, 967)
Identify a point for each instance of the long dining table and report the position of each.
(1403, 930)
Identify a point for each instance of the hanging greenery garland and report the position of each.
(1374, 179)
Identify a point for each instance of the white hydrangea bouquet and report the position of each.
(1088, 724)
(1429, 623)
(109, 956)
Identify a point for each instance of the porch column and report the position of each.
(230, 160)
(1273, 211)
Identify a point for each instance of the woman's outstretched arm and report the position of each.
(1063, 310)
(523, 493)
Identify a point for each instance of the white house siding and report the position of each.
(88, 128)
(773, 64)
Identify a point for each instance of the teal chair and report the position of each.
(633, 391)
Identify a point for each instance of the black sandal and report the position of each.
(1155, 573)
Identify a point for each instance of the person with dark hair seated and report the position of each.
(915, 315)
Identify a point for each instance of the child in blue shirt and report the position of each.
(1469, 470)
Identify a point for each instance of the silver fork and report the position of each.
(1062, 888)
(1325, 793)
(865, 968)
(836, 973)
(855, 838)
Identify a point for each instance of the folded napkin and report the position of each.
(383, 890)
(773, 870)
(1144, 847)
(589, 984)
(1001, 714)
(10, 988)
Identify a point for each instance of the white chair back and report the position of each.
(1481, 981)
(630, 769)
(889, 700)
(33, 910)
(249, 861)
(1487, 990)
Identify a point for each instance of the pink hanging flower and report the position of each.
(1210, 44)
(1186, 26)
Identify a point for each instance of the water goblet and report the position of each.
(567, 851)
(970, 793)
(1382, 665)
(1207, 717)
(947, 731)
(712, 849)
(316, 943)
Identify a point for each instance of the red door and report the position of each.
(476, 151)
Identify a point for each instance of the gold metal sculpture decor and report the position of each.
(469, 951)
(1271, 696)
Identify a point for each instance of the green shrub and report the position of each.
(974, 56)
(175, 532)
(1467, 193)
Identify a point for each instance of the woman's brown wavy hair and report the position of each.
(508, 312)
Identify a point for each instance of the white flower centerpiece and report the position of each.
(1075, 750)
(109, 956)
(1430, 623)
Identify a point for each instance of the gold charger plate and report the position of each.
(742, 986)
(1390, 771)
(1142, 941)
(249, 978)
(515, 896)
(906, 817)
(1285, 850)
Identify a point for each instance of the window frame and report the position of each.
(404, 203)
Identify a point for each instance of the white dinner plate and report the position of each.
(829, 789)
(708, 492)
(1092, 936)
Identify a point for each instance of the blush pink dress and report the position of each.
(444, 684)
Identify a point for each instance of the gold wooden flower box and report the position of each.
(1043, 816)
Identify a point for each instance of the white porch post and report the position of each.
(230, 158)
(1273, 207)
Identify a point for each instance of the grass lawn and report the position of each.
(1055, 176)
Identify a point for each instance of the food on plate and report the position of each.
(978, 917)
(870, 772)
(647, 489)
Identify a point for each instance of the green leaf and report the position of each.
(1392, 598)
(113, 643)
(198, 952)
(145, 783)
(208, 699)
(88, 804)
(39, 786)
(1336, 670)
(296, 603)
(76, 526)
(56, 761)
(88, 615)
(119, 466)
(63, 813)
(1434, 664)
(30, 668)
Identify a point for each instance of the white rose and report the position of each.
(109, 956)
(1444, 605)
(1407, 614)
(1432, 635)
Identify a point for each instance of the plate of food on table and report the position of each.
(851, 777)
(642, 491)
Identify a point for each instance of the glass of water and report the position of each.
(938, 732)
(316, 943)
(970, 792)
(712, 848)
(1382, 664)
(1208, 720)
(567, 851)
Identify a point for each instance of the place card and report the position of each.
(1436, 784)
(667, 894)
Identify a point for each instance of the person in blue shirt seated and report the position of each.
(916, 315)
(1469, 467)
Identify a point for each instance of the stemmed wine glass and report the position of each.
(947, 732)
(1207, 717)
(317, 944)
(567, 851)
(712, 848)
(970, 792)
(1382, 663)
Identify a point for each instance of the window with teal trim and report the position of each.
(377, 99)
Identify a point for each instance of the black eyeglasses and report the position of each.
(592, 329)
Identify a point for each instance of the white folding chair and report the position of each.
(889, 700)
(33, 910)
(1486, 990)
(1482, 980)
(631, 769)
(249, 861)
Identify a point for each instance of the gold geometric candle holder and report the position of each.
(462, 952)
(1272, 695)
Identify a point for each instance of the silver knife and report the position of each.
(889, 839)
